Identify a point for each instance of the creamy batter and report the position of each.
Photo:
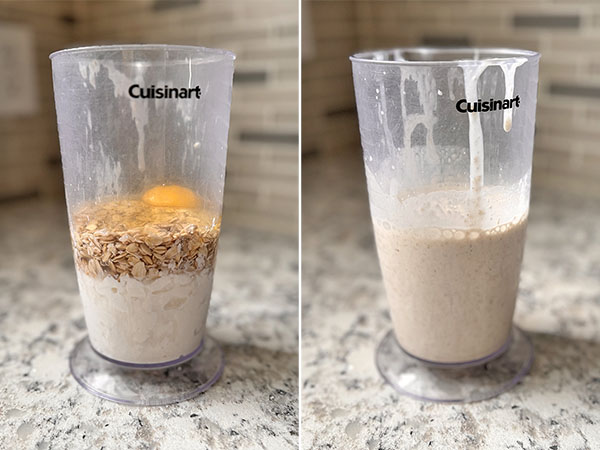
(452, 289)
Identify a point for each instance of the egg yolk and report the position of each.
(170, 196)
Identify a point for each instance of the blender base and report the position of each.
(459, 383)
(146, 387)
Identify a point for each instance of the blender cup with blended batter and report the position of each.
(143, 135)
(447, 137)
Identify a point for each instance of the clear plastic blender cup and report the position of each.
(143, 135)
(447, 136)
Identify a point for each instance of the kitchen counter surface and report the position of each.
(347, 405)
(253, 314)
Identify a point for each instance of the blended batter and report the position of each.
(452, 286)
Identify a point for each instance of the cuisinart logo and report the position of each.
(137, 91)
(462, 106)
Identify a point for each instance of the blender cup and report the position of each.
(447, 136)
(143, 137)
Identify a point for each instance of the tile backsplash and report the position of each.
(262, 181)
(567, 33)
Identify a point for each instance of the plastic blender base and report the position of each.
(460, 383)
(146, 387)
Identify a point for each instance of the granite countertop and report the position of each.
(253, 314)
(347, 405)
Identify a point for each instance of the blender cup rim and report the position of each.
(492, 54)
(199, 54)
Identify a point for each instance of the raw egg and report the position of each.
(170, 196)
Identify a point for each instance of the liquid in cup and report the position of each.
(449, 193)
(144, 183)
(145, 275)
(451, 291)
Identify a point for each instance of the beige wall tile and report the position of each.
(566, 32)
(263, 33)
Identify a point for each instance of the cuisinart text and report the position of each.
(136, 91)
(462, 106)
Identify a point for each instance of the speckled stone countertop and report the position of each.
(347, 405)
(253, 313)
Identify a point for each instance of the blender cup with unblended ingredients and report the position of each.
(143, 135)
(447, 136)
